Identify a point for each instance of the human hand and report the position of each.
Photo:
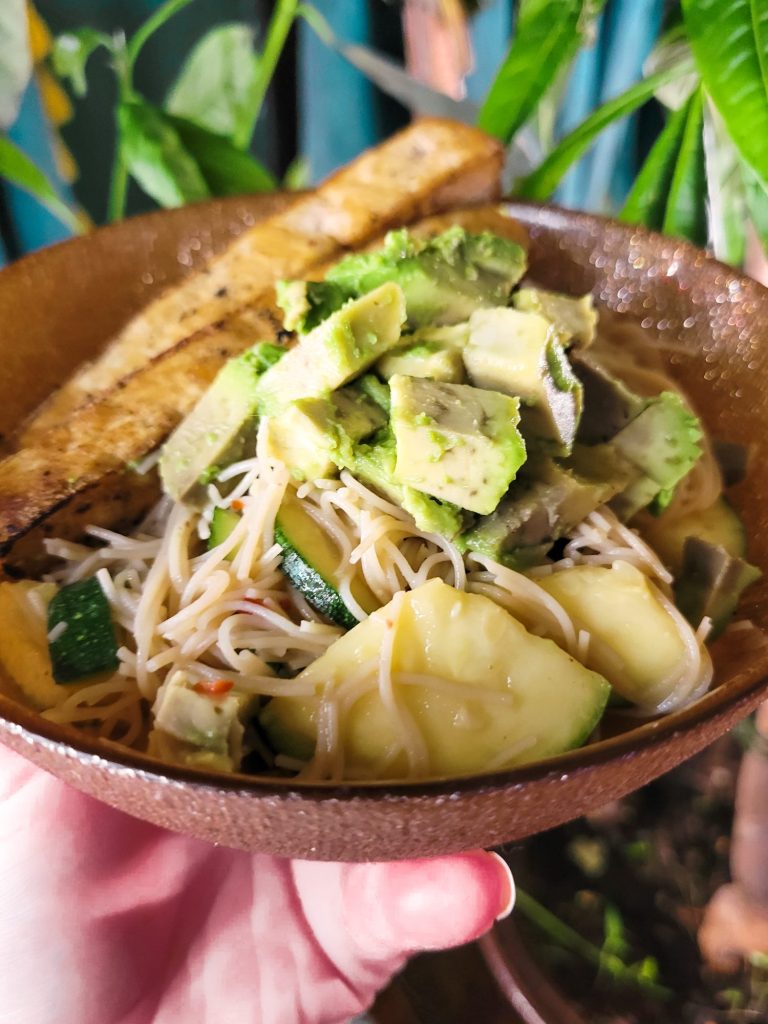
(105, 919)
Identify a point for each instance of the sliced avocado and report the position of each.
(219, 428)
(357, 414)
(573, 319)
(458, 443)
(518, 354)
(314, 436)
(423, 359)
(305, 304)
(199, 728)
(336, 351)
(374, 465)
(303, 435)
(375, 389)
(710, 583)
(662, 444)
(543, 504)
(609, 405)
(444, 278)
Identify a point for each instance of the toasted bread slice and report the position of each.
(427, 168)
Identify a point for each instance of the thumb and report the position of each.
(368, 918)
(410, 906)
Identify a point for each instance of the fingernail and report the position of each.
(509, 905)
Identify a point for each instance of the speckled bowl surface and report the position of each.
(59, 306)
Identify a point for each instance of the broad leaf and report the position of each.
(542, 182)
(757, 204)
(670, 51)
(726, 191)
(15, 58)
(729, 39)
(156, 157)
(216, 82)
(547, 36)
(228, 171)
(647, 200)
(686, 213)
(71, 52)
(18, 169)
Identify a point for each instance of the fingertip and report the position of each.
(429, 904)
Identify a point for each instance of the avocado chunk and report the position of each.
(374, 465)
(196, 726)
(423, 359)
(337, 350)
(574, 320)
(518, 354)
(444, 278)
(609, 405)
(458, 443)
(313, 436)
(356, 413)
(305, 304)
(303, 435)
(662, 444)
(710, 583)
(218, 429)
(543, 504)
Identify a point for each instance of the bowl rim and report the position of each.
(29, 727)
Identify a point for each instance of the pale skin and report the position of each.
(107, 920)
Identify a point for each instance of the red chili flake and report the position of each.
(237, 505)
(213, 687)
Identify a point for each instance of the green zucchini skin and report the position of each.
(88, 645)
(315, 589)
(305, 576)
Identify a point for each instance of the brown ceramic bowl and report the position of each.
(59, 306)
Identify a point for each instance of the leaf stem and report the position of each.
(280, 25)
(150, 26)
(566, 937)
(118, 188)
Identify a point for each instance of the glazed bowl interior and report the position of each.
(58, 308)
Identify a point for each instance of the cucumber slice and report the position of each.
(88, 644)
(311, 561)
(719, 525)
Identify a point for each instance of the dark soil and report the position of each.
(634, 880)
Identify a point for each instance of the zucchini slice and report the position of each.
(88, 644)
(311, 561)
(719, 525)
(223, 522)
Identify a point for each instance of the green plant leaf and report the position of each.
(726, 190)
(647, 199)
(71, 52)
(18, 169)
(297, 175)
(757, 205)
(215, 85)
(729, 39)
(15, 58)
(686, 213)
(156, 157)
(542, 182)
(228, 171)
(547, 36)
